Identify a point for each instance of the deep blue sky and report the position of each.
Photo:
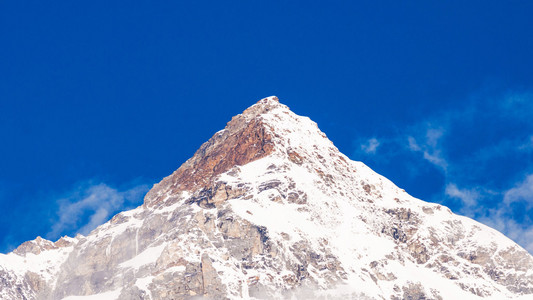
(98, 101)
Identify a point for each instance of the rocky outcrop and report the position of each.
(246, 138)
(35, 247)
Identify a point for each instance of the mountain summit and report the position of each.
(269, 208)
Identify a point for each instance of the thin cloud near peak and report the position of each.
(370, 146)
(90, 205)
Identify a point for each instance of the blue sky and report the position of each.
(98, 102)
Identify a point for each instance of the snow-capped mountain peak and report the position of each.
(269, 208)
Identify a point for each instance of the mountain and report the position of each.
(269, 208)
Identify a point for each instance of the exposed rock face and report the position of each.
(268, 208)
(35, 247)
(246, 138)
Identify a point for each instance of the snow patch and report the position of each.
(112, 295)
(148, 256)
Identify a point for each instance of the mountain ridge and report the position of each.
(269, 208)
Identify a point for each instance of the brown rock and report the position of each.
(245, 139)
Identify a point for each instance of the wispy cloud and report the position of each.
(469, 197)
(90, 205)
(428, 144)
(370, 146)
(521, 193)
(518, 201)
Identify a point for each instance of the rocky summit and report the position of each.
(269, 208)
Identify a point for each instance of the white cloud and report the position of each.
(433, 135)
(468, 197)
(522, 192)
(413, 146)
(428, 143)
(91, 205)
(370, 146)
(435, 158)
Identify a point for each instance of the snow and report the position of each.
(117, 229)
(175, 269)
(46, 264)
(143, 283)
(148, 256)
(112, 295)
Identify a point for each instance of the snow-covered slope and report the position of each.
(33, 265)
(269, 208)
